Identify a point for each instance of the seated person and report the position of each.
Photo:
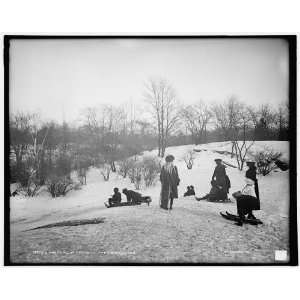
(190, 191)
(246, 201)
(214, 193)
(132, 196)
(116, 197)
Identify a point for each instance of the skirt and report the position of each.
(246, 204)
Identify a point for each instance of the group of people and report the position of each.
(247, 199)
(133, 198)
(220, 184)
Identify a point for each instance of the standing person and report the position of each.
(251, 173)
(221, 179)
(169, 181)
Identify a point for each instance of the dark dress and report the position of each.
(169, 182)
(245, 204)
(251, 173)
(222, 181)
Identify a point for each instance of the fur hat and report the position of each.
(169, 158)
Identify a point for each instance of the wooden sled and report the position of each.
(229, 165)
(145, 199)
(236, 218)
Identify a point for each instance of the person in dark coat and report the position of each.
(248, 200)
(116, 197)
(132, 196)
(169, 182)
(190, 191)
(251, 173)
(221, 179)
(214, 194)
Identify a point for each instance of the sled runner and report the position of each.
(229, 165)
(250, 221)
(236, 218)
(145, 199)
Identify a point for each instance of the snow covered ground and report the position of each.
(193, 232)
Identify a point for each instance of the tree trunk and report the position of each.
(113, 166)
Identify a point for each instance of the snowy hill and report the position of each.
(192, 232)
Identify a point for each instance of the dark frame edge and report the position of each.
(6, 44)
(293, 235)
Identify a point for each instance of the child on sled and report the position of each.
(115, 199)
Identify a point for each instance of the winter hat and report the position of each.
(169, 158)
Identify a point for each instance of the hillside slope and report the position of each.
(192, 232)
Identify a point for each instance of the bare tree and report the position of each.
(264, 121)
(196, 118)
(240, 145)
(19, 135)
(282, 121)
(233, 118)
(162, 99)
(189, 158)
(227, 117)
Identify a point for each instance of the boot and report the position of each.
(251, 216)
(240, 221)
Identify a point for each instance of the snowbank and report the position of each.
(194, 231)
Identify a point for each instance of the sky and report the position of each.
(59, 78)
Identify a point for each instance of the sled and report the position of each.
(229, 165)
(258, 221)
(145, 199)
(219, 201)
(236, 218)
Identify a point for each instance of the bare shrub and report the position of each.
(32, 188)
(189, 159)
(265, 160)
(135, 174)
(59, 186)
(30, 183)
(150, 170)
(124, 166)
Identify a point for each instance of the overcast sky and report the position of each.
(58, 78)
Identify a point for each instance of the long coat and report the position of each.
(251, 173)
(169, 183)
(247, 201)
(222, 181)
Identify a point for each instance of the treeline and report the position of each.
(111, 138)
(47, 153)
(198, 123)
